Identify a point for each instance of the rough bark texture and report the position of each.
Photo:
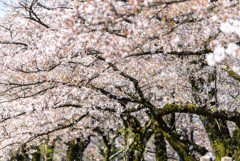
(76, 149)
(160, 143)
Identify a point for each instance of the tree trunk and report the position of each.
(72, 152)
(136, 149)
(220, 146)
(180, 146)
(107, 152)
(75, 151)
(161, 154)
(235, 144)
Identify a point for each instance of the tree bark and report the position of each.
(160, 143)
(75, 150)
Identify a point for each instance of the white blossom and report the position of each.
(175, 40)
(214, 18)
(231, 49)
(227, 28)
(236, 25)
(210, 59)
(236, 69)
(219, 54)
(226, 2)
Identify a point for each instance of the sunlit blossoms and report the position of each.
(216, 57)
(227, 28)
(232, 49)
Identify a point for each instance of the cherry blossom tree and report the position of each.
(137, 76)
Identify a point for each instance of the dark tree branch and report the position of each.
(160, 51)
(204, 111)
(14, 43)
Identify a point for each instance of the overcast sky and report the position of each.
(1, 10)
(2, 7)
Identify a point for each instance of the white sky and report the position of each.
(2, 7)
(1, 10)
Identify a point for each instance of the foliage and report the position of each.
(121, 71)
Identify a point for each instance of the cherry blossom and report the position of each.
(131, 79)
